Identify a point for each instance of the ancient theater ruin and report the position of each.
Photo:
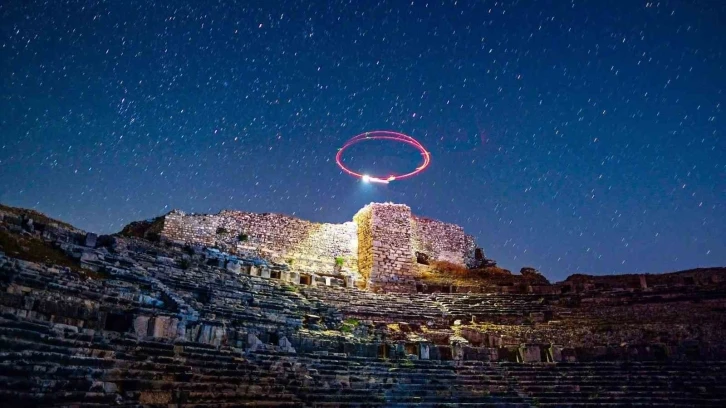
(379, 249)
(387, 310)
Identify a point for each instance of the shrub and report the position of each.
(221, 230)
(339, 261)
(242, 237)
(290, 261)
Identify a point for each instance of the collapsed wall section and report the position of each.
(307, 246)
(442, 241)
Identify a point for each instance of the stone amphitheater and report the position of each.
(240, 309)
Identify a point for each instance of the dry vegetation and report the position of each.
(444, 272)
(150, 229)
(32, 249)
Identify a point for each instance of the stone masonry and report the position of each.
(442, 241)
(386, 230)
(378, 247)
(307, 246)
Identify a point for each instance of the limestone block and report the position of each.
(424, 351)
(530, 353)
(218, 335)
(294, 277)
(556, 353)
(91, 240)
(141, 326)
(265, 272)
(89, 256)
(160, 326)
(234, 267)
(254, 270)
(285, 345)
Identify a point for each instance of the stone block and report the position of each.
(265, 272)
(294, 278)
(234, 267)
(89, 256)
(530, 353)
(91, 240)
(141, 326)
(285, 345)
(424, 351)
(253, 343)
(160, 326)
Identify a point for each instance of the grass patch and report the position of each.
(289, 288)
(449, 273)
(348, 325)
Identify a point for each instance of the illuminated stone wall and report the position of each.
(390, 253)
(379, 246)
(442, 241)
(365, 243)
(307, 246)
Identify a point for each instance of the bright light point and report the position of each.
(391, 178)
(366, 178)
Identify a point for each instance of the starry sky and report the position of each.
(572, 136)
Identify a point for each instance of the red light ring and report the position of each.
(384, 135)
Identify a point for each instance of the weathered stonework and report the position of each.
(386, 230)
(378, 247)
(307, 246)
(442, 241)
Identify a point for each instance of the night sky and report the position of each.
(572, 136)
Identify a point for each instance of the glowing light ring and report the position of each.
(384, 135)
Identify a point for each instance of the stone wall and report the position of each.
(388, 226)
(306, 246)
(442, 241)
(365, 243)
(379, 246)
